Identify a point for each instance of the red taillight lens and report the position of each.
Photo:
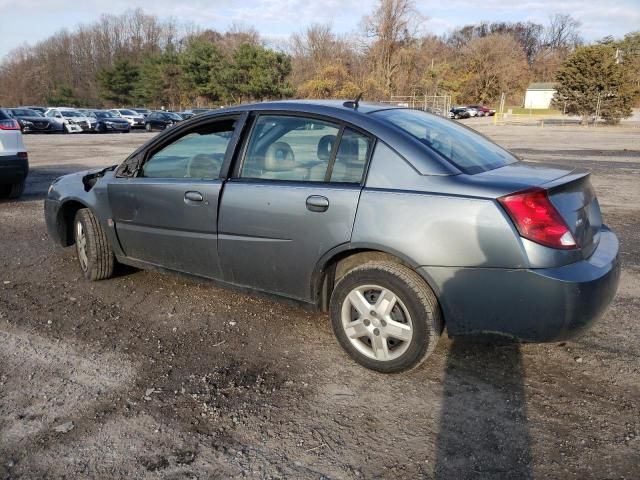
(537, 219)
(9, 124)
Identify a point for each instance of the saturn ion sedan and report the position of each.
(396, 222)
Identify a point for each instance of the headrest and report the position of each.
(349, 149)
(278, 157)
(203, 166)
(324, 147)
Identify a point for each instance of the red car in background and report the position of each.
(483, 111)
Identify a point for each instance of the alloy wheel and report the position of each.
(376, 322)
(81, 246)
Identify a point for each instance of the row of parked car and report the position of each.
(471, 111)
(35, 119)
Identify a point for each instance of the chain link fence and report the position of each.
(436, 104)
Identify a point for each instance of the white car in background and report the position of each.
(71, 119)
(472, 111)
(14, 161)
(135, 119)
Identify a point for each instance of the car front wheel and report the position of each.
(148, 127)
(385, 316)
(92, 246)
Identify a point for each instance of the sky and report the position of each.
(28, 21)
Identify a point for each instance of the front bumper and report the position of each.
(41, 128)
(13, 169)
(55, 225)
(118, 127)
(538, 305)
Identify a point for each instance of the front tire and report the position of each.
(385, 316)
(92, 246)
(148, 127)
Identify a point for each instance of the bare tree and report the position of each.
(392, 26)
(494, 64)
(562, 32)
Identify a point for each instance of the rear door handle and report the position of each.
(193, 197)
(317, 203)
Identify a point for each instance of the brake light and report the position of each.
(24, 155)
(9, 124)
(537, 219)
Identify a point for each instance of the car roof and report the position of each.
(414, 152)
(323, 105)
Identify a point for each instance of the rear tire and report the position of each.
(92, 246)
(16, 190)
(385, 316)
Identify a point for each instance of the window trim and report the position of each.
(234, 173)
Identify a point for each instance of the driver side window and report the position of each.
(197, 154)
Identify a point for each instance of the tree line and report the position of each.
(139, 59)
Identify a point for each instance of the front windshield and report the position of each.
(71, 113)
(469, 151)
(127, 112)
(104, 115)
(24, 112)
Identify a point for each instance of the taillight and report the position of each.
(9, 124)
(537, 219)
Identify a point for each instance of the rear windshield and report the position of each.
(469, 151)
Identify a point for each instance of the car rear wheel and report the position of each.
(16, 189)
(385, 316)
(94, 252)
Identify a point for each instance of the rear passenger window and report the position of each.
(289, 148)
(198, 154)
(351, 157)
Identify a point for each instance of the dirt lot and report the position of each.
(167, 378)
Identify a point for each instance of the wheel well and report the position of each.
(342, 263)
(66, 216)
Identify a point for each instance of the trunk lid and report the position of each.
(569, 191)
(575, 199)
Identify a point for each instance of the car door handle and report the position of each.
(317, 203)
(193, 197)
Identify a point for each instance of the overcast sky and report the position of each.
(33, 20)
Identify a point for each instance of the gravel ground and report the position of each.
(151, 376)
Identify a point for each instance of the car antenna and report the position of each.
(353, 103)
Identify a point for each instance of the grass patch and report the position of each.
(532, 111)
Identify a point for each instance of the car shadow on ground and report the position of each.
(483, 431)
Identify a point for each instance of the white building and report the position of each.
(539, 95)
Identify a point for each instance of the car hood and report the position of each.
(79, 119)
(33, 119)
(74, 185)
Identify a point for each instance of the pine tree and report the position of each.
(590, 75)
(118, 82)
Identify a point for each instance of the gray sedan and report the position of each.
(396, 222)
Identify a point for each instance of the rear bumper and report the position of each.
(538, 305)
(13, 169)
